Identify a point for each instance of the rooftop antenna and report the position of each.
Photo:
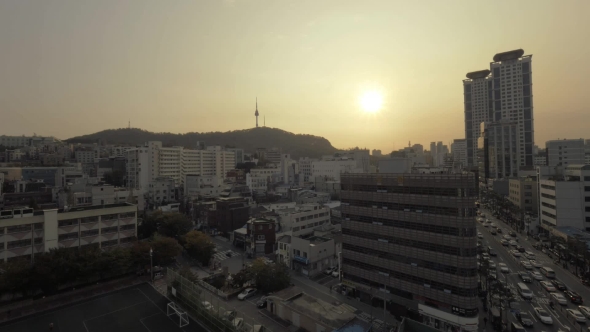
(129, 125)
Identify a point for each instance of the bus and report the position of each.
(547, 272)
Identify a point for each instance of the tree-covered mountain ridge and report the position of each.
(297, 145)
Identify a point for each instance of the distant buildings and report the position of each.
(498, 150)
(376, 153)
(565, 152)
(459, 152)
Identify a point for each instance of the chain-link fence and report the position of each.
(207, 308)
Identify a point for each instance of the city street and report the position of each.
(540, 295)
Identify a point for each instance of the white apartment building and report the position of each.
(504, 92)
(565, 152)
(331, 169)
(239, 155)
(305, 168)
(259, 179)
(120, 151)
(567, 203)
(21, 141)
(24, 232)
(301, 219)
(86, 156)
(152, 160)
(161, 189)
(540, 161)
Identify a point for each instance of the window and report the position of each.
(19, 228)
(38, 240)
(19, 244)
(108, 243)
(38, 226)
(127, 227)
(88, 220)
(92, 232)
(68, 222)
(260, 237)
(108, 217)
(68, 236)
(107, 230)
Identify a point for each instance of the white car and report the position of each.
(503, 268)
(559, 298)
(336, 273)
(543, 315)
(529, 255)
(526, 265)
(548, 286)
(479, 236)
(513, 243)
(575, 314)
(515, 253)
(207, 305)
(585, 310)
(536, 275)
(329, 270)
(537, 263)
(492, 265)
(238, 323)
(247, 293)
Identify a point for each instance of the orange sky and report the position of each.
(76, 67)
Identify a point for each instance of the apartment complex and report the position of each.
(565, 152)
(259, 179)
(24, 232)
(20, 141)
(504, 92)
(332, 169)
(411, 239)
(566, 202)
(152, 160)
(523, 194)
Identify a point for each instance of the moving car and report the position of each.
(576, 315)
(479, 236)
(207, 306)
(537, 263)
(547, 286)
(525, 276)
(585, 311)
(492, 265)
(574, 297)
(536, 275)
(529, 255)
(515, 253)
(261, 303)
(503, 268)
(248, 292)
(493, 274)
(524, 318)
(557, 297)
(513, 243)
(229, 315)
(505, 243)
(507, 237)
(493, 231)
(558, 284)
(238, 323)
(543, 315)
(526, 264)
(511, 233)
(499, 230)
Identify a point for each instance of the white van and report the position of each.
(524, 291)
(547, 272)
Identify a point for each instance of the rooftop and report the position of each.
(284, 239)
(316, 239)
(316, 309)
(355, 325)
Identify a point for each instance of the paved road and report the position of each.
(541, 297)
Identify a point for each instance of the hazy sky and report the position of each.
(76, 67)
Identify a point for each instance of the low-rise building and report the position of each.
(229, 214)
(260, 179)
(302, 218)
(312, 254)
(199, 185)
(260, 239)
(307, 312)
(523, 194)
(24, 232)
(566, 202)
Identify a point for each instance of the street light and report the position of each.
(340, 266)
(152, 265)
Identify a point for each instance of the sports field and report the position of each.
(137, 309)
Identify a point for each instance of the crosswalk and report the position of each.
(223, 255)
(347, 307)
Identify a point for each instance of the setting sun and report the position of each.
(371, 101)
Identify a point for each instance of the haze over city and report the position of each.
(70, 68)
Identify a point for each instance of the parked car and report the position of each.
(207, 306)
(576, 315)
(229, 315)
(261, 303)
(547, 286)
(557, 297)
(246, 293)
(524, 276)
(574, 297)
(238, 323)
(336, 273)
(543, 315)
(329, 270)
(524, 318)
(558, 284)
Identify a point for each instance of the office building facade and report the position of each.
(409, 240)
(565, 152)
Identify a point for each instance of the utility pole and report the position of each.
(152, 265)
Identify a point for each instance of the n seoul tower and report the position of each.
(256, 114)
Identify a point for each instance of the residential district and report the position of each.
(488, 232)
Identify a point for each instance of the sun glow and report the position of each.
(371, 101)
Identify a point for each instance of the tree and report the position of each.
(172, 224)
(147, 227)
(166, 249)
(114, 178)
(270, 277)
(199, 246)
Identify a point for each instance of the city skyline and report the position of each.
(176, 68)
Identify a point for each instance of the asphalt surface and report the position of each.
(561, 321)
